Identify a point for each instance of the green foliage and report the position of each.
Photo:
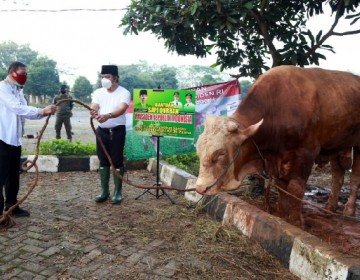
(138, 147)
(26, 152)
(10, 52)
(62, 147)
(187, 162)
(208, 79)
(243, 34)
(43, 77)
(245, 85)
(193, 75)
(3, 74)
(82, 89)
(165, 77)
(143, 76)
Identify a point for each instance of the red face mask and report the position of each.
(20, 78)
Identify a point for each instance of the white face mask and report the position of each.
(106, 83)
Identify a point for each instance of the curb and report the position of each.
(73, 163)
(305, 255)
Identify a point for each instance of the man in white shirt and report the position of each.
(176, 102)
(189, 105)
(109, 105)
(13, 107)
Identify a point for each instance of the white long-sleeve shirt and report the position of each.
(13, 106)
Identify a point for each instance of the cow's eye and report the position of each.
(219, 155)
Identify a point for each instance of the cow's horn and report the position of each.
(232, 126)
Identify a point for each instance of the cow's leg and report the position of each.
(345, 158)
(267, 197)
(297, 183)
(282, 201)
(337, 181)
(296, 188)
(267, 192)
(350, 205)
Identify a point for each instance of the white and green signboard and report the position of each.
(169, 113)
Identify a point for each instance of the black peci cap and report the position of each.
(110, 69)
(143, 92)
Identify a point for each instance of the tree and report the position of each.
(145, 76)
(3, 74)
(82, 89)
(208, 79)
(134, 76)
(194, 75)
(165, 77)
(10, 52)
(43, 78)
(243, 34)
(245, 85)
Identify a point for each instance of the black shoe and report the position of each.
(19, 212)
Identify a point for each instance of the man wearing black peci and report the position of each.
(109, 105)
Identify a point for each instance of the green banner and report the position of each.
(216, 99)
(168, 113)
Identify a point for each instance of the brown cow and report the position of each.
(287, 117)
(339, 164)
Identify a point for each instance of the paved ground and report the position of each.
(69, 236)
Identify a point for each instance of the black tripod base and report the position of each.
(157, 193)
(157, 184)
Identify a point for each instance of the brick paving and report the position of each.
(69, 236)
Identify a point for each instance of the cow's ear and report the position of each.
(240, 135)
(252, 129)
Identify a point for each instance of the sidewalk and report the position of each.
(69, 236)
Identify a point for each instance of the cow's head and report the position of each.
(218, 148)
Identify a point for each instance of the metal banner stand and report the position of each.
(158, 183)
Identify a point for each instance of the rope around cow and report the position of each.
(6, 219)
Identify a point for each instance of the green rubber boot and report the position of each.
(104, 172)
(117, 197)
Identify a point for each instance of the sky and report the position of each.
(81, 41)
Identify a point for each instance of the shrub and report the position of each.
(61, 147)
(187, 162)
